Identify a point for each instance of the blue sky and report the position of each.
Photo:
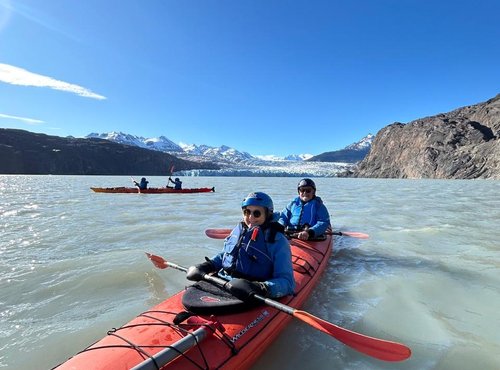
(262, 76)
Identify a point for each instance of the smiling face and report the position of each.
(306, 193)
(254, 215)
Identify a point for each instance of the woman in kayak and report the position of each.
(306, 216)
(256, 258)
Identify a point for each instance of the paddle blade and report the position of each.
(353, 234)
(217, 233)
(374, 347)
(157, 261)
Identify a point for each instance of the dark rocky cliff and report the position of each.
(342, 155)
(24, 152)
(462, 144)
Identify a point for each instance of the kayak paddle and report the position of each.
(136, 184)
(374, 347)
(217, 233)
(223, 233)
(352, 234)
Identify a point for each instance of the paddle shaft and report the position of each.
(375, 347)
(345, 233)
(136, 184)
(223, 233)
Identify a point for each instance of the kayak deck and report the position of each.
(136, 190)
(229, 341)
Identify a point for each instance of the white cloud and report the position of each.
(18, 76)
(29, 121)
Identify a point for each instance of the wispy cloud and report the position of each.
(29, 121)
(5, 13)
(35, 13)
(18, 76)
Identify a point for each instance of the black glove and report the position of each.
(245, 289)
(196, 273)
(311, 233)
(277, 227)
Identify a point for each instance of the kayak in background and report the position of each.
(153, 190)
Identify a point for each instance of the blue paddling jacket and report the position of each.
(255, 254)
(177, 184)
(144, 184)
(313, 214)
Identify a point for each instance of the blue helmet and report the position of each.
(259, 199)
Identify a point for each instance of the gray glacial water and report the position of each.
(72, 266)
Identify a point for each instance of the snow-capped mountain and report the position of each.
(291, 157)
(222, 152)
(161, 143)
(350, 154)
(237, 163)
(364, 143)
(298, 157)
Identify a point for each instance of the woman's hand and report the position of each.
(303, 235)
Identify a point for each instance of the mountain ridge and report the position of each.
(461, 144)
(350, 154)
(25, 152)
(357, 150)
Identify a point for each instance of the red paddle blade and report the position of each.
(217, 233)
(355, 234)
(157, 261)
(378, 348)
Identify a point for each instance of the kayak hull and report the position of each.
(152, 190)
(235, 341)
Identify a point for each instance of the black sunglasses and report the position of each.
(255, 213)
(305, 190)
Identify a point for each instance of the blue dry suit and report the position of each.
(248, 253)
(177, 184)
(144, 184)
(313, 214)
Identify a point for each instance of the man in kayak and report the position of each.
(256, 257)
(177, 183)
(143, 184)
(305, 216)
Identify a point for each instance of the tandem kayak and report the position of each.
(170, 336)
(153, 190)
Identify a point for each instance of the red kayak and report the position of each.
(204, 340)
(136, 190)
(204, 327)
